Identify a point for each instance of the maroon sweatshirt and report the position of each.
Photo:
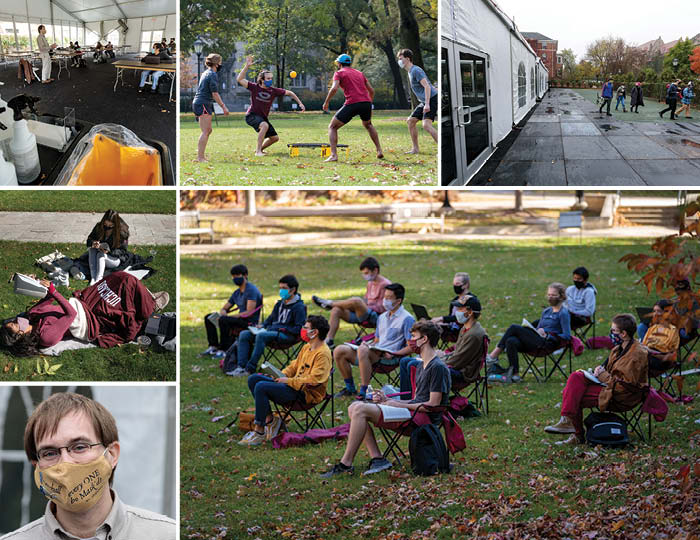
(117, 308)
(49, 321)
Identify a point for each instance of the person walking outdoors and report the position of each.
(621, 95)
(672, 93)
(636, 97)
(687, 97)
(607, 95)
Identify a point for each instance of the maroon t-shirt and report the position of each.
(261, 98)
(352, 82)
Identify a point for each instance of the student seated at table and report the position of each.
(159, 52)
(554, 325)
(450, 327)
(283, 326)
(109, 50)
(661, 340)
(624, 373)
(98, 54)
(246, 298)
(77, 57)
(172, 46)
(432, 389)
(304, 381)
(357, 309)
(465, 360)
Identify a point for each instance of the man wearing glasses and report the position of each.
(73, 443)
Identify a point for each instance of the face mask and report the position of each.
(268, 83)
(238, 280)
(413, 343)
(388, 304)
(305, 335)
(553, 301)
(72, 486)
(401, 63)
(579, 284)
(461, 317)
(284, 294)
(368, 277)
(23, 324)
(458, 288)
(615, 338)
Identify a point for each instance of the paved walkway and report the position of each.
(567, 142)
(145, 229)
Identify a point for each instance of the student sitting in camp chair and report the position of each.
(661, 340)
(432, 389)
(461, 284)
(304, 381)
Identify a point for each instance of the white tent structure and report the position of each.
(491, 79)
(136, 23)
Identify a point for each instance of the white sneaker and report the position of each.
(273, 428)
(490, 360)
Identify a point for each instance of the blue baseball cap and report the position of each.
(344, 59)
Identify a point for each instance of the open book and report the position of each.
(527, 324)
(28, 286)
(214, 318)
(372, 347)
(589, 375)
(272, 371)
(394, 414)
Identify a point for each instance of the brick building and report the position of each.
(546, 49)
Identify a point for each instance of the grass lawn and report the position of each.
(123, 363)
(152, 201)
(510, 477)
(231, 151)
(648, 113)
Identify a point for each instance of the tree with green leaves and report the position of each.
(681, 53)
(218, 22)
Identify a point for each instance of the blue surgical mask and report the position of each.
(616, 339)
(268, 83)
(284, 294)
(461, 317)
(388, 304)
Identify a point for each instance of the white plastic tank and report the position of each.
(8, 176)
(25, 154)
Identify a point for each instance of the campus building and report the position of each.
(546, 49)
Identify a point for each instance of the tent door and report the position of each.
(465, 112)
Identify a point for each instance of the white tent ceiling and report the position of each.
(105, 10)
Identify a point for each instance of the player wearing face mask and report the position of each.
(262, 95)
(449, 324)
(580, 298)
(73, 444)
(305, 380)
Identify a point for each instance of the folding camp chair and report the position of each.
(282, 352)
(313, 414)
(362, 329)
(448, 336)
(687, 345)
(581, 331)
(555, 356)
(479, 392)
(634, 416)
(388, 368)
(663, 377)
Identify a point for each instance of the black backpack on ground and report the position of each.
(606, 429)
(428, 451)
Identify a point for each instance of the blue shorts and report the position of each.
(371, 317)
(200, 109)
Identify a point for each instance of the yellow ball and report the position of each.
(293, 74)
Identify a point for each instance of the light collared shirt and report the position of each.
(394, 330)
(122, 523)
(43, 43)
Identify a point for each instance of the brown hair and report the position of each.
(213, 60)
(46, 417)
(120, 230)
(406, 53)
(261, 76)
(626, 323)
(560, 288)
(428, 329)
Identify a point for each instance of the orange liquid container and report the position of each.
(111, 164)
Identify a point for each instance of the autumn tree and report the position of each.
(695, 60)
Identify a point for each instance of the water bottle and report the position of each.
(389, 390)
(369, 393)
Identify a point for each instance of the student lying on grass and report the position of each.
(305, 382)
(109, 313)
(433, 386)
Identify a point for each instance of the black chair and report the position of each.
(282, 352)
(553, 355)
(479, 391)
(313, 413)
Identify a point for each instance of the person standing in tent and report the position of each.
(203, 103)
(426, 111)
(607, 95)
(636, 97)
(621, 95)
(44, 50)
(358, 101)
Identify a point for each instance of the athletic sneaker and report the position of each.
(320, 302)
(516, 378)
(252, 438)
(218, 354)
(338, 468)
(236, 372)
(273, 428)
(378, 464)
(490, 360)
(209, 350)
(345, 393)
(162, 299)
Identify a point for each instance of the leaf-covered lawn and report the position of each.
(123, 363)
(232, 160)
(510, 482)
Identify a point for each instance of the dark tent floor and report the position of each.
(91, 92)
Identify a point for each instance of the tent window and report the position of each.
(532, 83)
(522, 85)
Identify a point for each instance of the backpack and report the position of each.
(428, 451)
(606, 429)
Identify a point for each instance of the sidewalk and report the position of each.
(521, 232)
(74, 227)
(567, 142)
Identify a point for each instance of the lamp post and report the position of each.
(675, 65)
(198, 46)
